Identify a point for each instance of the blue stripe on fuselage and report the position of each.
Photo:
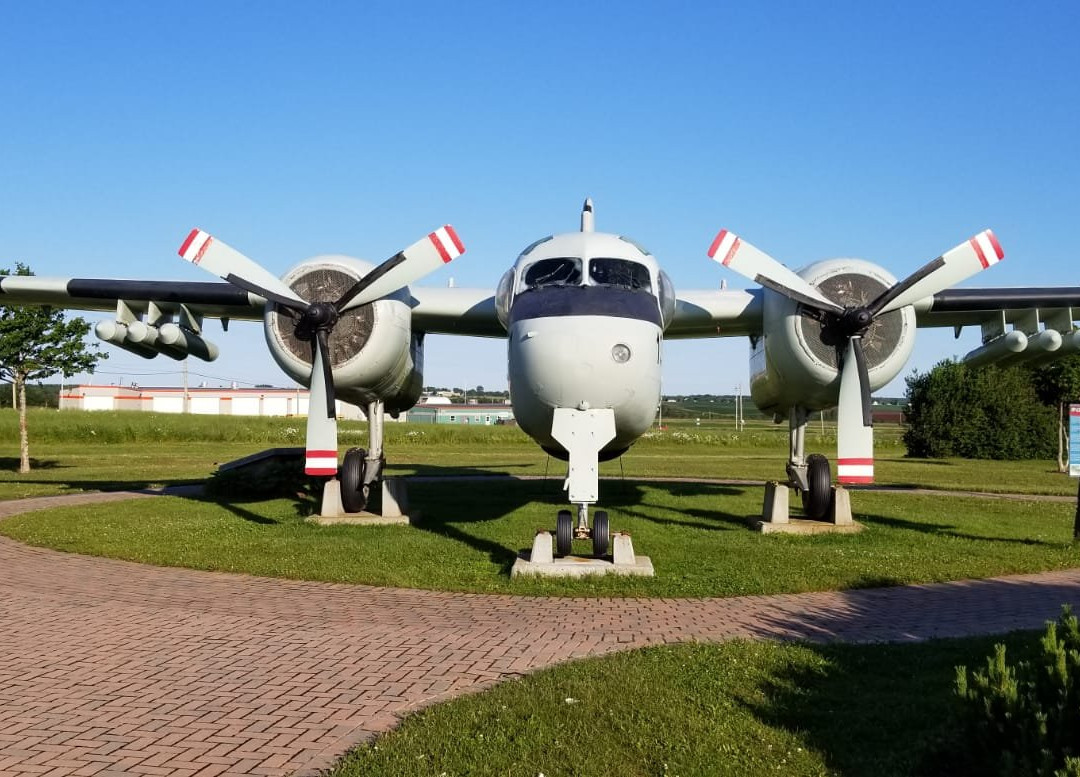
(552, 301)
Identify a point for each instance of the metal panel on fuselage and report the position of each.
(566, 361)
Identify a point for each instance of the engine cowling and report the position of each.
(790, 365)
(373, 351)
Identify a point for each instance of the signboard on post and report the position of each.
(1074, 441)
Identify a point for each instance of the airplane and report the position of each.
(585, 315)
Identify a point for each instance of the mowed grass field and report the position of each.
(741, 708)
(471, 530)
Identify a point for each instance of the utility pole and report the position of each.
(185, 385)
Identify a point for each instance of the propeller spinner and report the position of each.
(844, 327)
(316, 320)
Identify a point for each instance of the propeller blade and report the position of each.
(422, 257)
(321, 457)
(229, 264)
(952, 267)
(322, 338)
(855, 431)
(735, 253)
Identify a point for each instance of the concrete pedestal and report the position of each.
(394, 507)
(541, 560)
(776, 514)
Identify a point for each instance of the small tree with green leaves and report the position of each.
(36, 342)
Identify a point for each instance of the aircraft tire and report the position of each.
(353, 498)
(564, 533)
(817, 497)
(601, 534)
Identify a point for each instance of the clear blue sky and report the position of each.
(885, 131)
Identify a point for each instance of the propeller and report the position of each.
(844, 327)
(314, 321)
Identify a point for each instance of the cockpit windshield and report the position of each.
(560, 271)
(619, 272)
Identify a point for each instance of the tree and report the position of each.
(36, 342)
(1058, 384)
(977, 413)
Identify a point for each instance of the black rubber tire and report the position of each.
(816, 498)
(601, 534)
(564, 533)
(353, 496)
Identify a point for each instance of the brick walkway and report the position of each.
(109, 667)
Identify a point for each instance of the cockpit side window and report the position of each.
(619, 272)
(560, 271)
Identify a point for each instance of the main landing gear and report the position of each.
(810, 476)
(361, 470)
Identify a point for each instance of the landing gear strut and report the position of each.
(810, 476)
(583, 432)
(362, 469)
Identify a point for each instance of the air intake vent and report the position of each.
(853, 290)
(353, 330)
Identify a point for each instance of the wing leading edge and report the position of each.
(212, 300)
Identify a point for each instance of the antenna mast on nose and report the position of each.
(587, 216)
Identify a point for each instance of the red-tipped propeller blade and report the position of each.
(422, 257)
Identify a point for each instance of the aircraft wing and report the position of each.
(716, 313)
(1055, 307)
(210, 300)
(727, 313)
(454, 311)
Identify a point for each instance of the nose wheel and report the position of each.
(566, 532)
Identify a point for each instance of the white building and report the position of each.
(199, 401)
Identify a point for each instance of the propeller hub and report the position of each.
(856, 320)
(319, 316)
(852, 322)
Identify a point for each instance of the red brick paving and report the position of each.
(109, 667)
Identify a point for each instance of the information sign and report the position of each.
(1074, 440)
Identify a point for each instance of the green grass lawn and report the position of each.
(469, 534)
(739, 708)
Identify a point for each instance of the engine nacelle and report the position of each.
(790, 365)
(373, 352)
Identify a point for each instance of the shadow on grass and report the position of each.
(11, 464)
(449, 507)
(950, 531)
(883, 709)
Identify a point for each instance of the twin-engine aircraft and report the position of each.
(585, 315)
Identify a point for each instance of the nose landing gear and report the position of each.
(566, 532)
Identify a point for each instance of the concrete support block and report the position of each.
(622, 549)
(776, 508)
(395, 499)
(840, 509)
(541, 549)
(331, 499)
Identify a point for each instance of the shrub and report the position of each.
(978, 413)
(1023, 719)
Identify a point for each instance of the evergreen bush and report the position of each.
(1023, 719)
